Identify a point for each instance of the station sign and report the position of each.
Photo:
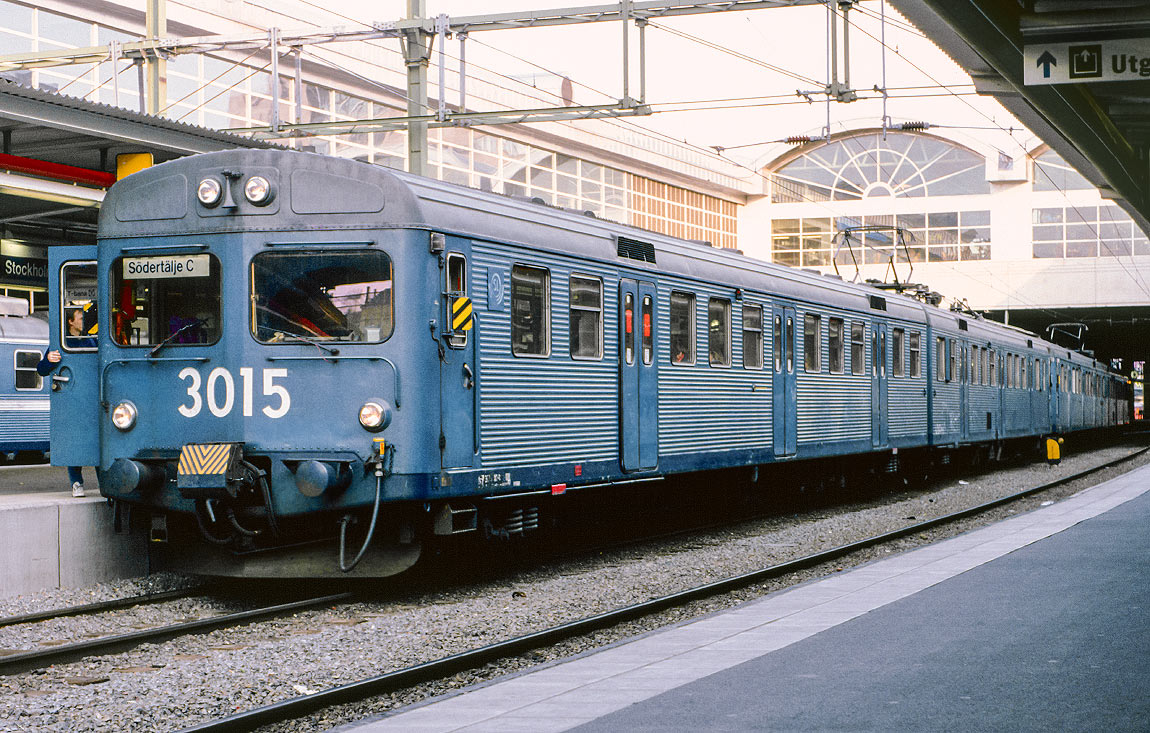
(1086, 62)
(23, 271)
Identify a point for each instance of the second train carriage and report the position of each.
(24, 401)
(296, 349)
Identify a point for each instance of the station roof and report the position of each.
(59, 153)
(1102, 128)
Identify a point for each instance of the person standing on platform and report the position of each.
(76, 338)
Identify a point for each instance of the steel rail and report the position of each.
(98, 607)
(25, 661)
(391, 681)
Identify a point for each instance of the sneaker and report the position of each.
(77, 489)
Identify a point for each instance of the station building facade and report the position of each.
(1002, 234)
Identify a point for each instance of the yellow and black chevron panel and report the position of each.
(211, 458)
(461, 318)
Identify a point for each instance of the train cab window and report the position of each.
(812, 342)
(456, 272)
(166, 299)
(681, 316)
(915, 354)
(752, 337)
(78, 311)
(321, 296)
(835, 352)
(719, 331)
(940, 359)
(530, 314)
(897, 367)
(586, 303)
(858, 347)
(26, 376)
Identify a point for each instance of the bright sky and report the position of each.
(736, 85)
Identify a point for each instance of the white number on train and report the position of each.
(220, 392)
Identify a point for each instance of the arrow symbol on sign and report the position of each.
(1046, 60)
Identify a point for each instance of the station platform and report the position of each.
(48, 539)
(1037, 623)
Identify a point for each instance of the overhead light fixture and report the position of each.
(41, 190)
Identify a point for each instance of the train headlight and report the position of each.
(210, 192)
(375, 415)
(124, 416)
(258, 190)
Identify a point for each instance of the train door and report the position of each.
(879, 393)
(74, 426)
(458, 442)
(965, 369)
(784, 399)
(638, 376)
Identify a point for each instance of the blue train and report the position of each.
(23, 392)
(308, 363)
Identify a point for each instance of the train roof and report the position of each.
(316, 192)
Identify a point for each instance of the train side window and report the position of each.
(778, 344)
(858, 347)
(719, 331)
(530, 311)
(25, 372)
(915, 355)
(586, 321)
(456, 274)
(835, 351)
(1025, 376)
(681, 320)
(974, 364)
(897, 368)
(648, 330)
(940, 359)
(752, 337)
(812, 342)
(952, 362)
(790, 345)
(992, 374)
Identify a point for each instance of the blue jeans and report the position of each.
(75, 475)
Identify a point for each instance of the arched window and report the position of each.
(901, 165)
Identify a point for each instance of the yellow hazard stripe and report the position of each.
(198, 460)
(461, 314)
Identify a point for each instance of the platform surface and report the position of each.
(1037, 623)
(48, 539)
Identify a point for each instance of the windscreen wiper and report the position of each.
(280, 335)
(177, 332)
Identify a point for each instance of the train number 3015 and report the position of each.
(220, 392)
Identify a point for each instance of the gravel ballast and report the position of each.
(167, 686)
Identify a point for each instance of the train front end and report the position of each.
(248, 374)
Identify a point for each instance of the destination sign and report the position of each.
(1076, 63)
(167, 266)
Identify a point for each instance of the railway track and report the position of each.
(438, 669)
(25, 661)
(99, 606)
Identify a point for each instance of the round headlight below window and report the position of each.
(124, 416)
(258, 190)
(375, 415)
(209, 192)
